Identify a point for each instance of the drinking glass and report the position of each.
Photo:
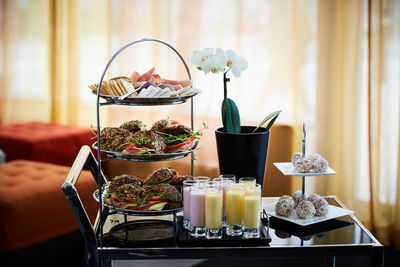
(213, 213)
(187, 186)
(202, 179)
(248, 181)
(252, 212)
(234, 209)
(231, 177)
(254, 192)
(197, 211)
(223, 183)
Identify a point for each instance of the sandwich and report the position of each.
(155, 193)
(178, 137)
(145, 141)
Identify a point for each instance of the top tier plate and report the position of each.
(288, 169)
(146, 101)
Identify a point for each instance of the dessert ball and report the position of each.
(284, 206)
(314, 157)
(298, 197)
(303, 165)
(313, 198)
(321, 207)
(305, 210)
(296, 156)
(320, 165)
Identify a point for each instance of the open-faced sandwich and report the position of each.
(177, 137)
(161, 190)
(165, 136)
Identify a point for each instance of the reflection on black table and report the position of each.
(340, 231)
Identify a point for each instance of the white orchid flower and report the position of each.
(236, 62)
(199, 57)
(214, 64)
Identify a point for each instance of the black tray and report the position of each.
(142, 233)
(184, 239)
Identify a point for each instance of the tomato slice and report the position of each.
(175, 122)
(185, 144)
(131, 148)
(114, 201)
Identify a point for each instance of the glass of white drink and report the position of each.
(187, 186)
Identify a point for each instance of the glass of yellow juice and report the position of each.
(248, 181)
(213, 214)
(252, 212)
(234, 209)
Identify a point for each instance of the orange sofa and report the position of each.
(45, 142)
(34, 213)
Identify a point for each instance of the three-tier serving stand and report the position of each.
(105, 211)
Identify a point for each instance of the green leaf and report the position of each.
(271, 122)
(230, 116)
(272, 116)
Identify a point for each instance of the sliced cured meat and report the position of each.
(135, 76)
(146, 76)
(183, 83)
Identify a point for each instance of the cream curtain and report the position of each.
(318, 61)
(384, 119)
(358, 104)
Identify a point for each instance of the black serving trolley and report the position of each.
(351, 240)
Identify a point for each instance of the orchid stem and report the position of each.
(225, 88)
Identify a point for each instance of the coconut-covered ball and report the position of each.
(303, 165)
(320, 165)
(284, 206)
(305, 210)
(321, 207)
(296, 156)
(313, 198)
(297, 197)
(314, 157)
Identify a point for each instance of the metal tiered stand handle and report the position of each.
(100, 181)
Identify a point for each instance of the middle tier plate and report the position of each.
(148, 157)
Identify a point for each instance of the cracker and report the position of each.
(121, 86)
(111, 89)
(116, 87)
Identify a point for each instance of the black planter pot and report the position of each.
(244, 154)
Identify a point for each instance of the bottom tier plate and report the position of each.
(334, 212)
